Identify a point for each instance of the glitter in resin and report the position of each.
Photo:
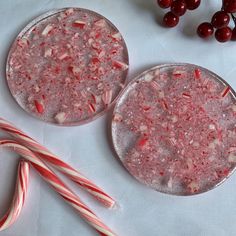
(174, 129)
(67, 66)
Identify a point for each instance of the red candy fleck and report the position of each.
(197, 73)
(225, 91)
(186, 95)
(120, 65)
(95, 60)
(142, 142)
(161, 173)
(39, 106)
(92, 107)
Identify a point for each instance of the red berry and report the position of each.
(223, 35)
(220, 19)
(170, 20)
(178, 7)
(229, 6)
(164, 3)
(205, 30)
(192, 4)
(233, 37)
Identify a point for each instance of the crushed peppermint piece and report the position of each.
(232, 157)
(78, 23)
(117, 117)
(100, 23)
(48, 52)
(107, 97)
(63, 56)
(60, 117)
(225, 91)
(47, 30)
(116, 36)
(120, 65)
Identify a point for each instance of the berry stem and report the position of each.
(234, 18)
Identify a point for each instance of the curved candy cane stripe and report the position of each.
(19, 198)
(61, 166)
(49, 176)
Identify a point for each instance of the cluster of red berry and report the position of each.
(220, 20)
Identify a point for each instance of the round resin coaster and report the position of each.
(67, 66)
(174, 129)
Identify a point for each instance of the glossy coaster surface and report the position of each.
(67, 66)
(174, 129)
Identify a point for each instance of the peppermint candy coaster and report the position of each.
(174, 129)
(67, 66)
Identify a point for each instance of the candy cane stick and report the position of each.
(19, 198)
(63, 167)
(49, 176)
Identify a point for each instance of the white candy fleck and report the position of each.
(102, 54)
(90, 41)
(63, 56)
(196, 144)
(234, 108)
(47, 30)
(174, 118)
(170, 183)
(232, 157)
(148, 77)
(60, 117)
(117, 36)
(107, 97)
(36, 88)
(161, 94)
(67, 79)
(212, 127)
(79, 22)
(48, 52)
(193, 186)
(100, 23)
(211, 158)
(117, 117)
(69, 11)
(76, 70)
(143, 128)
(100, 86)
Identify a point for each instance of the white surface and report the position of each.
(143, 211)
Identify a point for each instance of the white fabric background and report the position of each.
(142, 210)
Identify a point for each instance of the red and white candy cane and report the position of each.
(61, 166)
(51, 178)
(19, 197)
